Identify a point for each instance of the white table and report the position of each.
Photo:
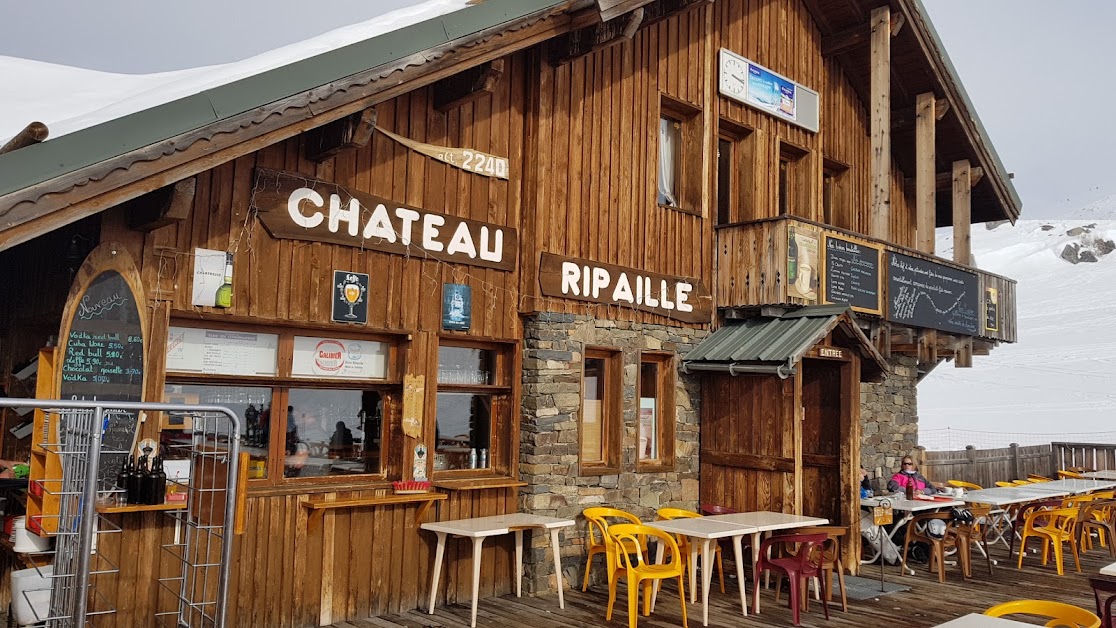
(976, 620)
(1103, 474)
(481, 528)
(707, 530)
(1000, 497)
(908, 506)
(1074, 486)
(762, 522)
(1109, 570)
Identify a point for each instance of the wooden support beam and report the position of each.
(903, 336)
(927, 346)
(596, 37)
(465, 87)
(943, 181)
(962, 212)
(904, 118)
(880, 114)
(165, 206)
(925, 184)
(31, 134)
(857, 37)
(963, 358)
(983, 347)
(347, 133)
(612, 9)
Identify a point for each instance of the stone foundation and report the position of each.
(889, 418)
(552, 364)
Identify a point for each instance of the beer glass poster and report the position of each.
(457, 307)
(349, 297)
(803, 264)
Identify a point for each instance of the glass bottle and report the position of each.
(135, 482)
(158, 489)
(910, 487)
(224, 293)
(792, 257)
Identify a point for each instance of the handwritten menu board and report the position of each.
(922, 293)
(103, 361)
(852, 274)
(991, 309)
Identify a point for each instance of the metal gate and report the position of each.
(203, 537)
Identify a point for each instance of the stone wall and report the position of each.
(889, 418)
(551, 394)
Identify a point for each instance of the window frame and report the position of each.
(792, 188)
(667, 411)
(688, 175)
(612, 412)
(503, 447)
(835, 192)
(742, 177)
(390, 388)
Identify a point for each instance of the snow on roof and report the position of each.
(69, 99)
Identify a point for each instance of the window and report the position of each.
(735, 174)
(835, 194)
(310, 407)
(601, 412)
(795, 197)
(655, 449)
(679, 160)
(473, 419)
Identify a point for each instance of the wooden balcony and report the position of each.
(915, 303)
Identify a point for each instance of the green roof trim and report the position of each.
(57, 157)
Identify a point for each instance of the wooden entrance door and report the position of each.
(822, 434)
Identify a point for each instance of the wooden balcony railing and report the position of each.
(932, 293)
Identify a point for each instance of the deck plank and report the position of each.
(928, 602)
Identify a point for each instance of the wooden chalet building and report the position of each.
(675, 239)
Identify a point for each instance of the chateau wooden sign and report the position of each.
(294, 207)
(679, 298)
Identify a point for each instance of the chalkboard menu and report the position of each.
(103, 360)
(922, 293)
(852, 274)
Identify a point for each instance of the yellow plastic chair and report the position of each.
(1053, 527)
(1038, 478)
(1006, 484)
(641, 571)
(965, 485)
(1069, 475)
(599, 540)
(684, 541)
(1020, 482)
(1061, 615)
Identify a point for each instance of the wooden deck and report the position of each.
(927, 603)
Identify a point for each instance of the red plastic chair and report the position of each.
(712, 509)
(1104, 591)
(803, 565)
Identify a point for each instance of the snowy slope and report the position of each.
(1057, 380)
(69, 99)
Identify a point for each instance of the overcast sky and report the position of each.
(1039, 72)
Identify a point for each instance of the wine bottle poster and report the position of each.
(803, 262)
(212, 278)
(349, 302)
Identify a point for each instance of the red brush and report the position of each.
(410, 486)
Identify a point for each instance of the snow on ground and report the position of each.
(69, 99)
(1056, 382)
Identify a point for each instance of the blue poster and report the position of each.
(457, 306)
(770, 91)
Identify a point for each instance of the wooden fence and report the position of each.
(988, 466)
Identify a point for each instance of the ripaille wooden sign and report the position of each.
(679, 298)
(295, 207)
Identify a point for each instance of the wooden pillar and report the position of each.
(925, 185)
(962, 212)
(880, 114)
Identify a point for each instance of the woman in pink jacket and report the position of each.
(908, 474)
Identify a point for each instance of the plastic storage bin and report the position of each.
(31, 590)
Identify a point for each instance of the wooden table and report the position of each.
(707, 530)
(1109, 570)
(481, 528)
(976, 620)
(761, 522)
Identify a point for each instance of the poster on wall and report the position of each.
(770, 91)
(754, 85)
(221, 352)
(803, 263)
(212, 278)
(991, 309)
(457, 306)
(349, 304)
(339, 358)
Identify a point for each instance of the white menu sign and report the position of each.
(221, 352)
(339, 358)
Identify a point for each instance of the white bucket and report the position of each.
(36, 584)
(26, 543)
